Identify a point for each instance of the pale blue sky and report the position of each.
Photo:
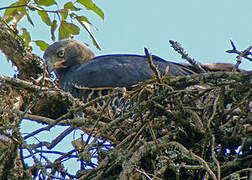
(203, 27)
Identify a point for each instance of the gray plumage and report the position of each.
(75, 65)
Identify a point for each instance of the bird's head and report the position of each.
(64, 54)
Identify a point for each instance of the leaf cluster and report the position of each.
(61, 19)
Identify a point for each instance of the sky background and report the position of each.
(204, 29)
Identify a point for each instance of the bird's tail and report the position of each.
(215, 67)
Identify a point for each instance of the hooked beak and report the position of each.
(58, 65)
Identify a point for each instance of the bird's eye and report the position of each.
(61, 53)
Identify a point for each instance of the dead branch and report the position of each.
(244, 54)
(153, 67)
(177, 47)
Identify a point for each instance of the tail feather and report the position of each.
(215, 67)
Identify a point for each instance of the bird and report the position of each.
(77, 68)
(87, 76)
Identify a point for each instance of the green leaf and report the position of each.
(70, 6)
(90, 5)
(24, 1)
(42, 45)
(83, 18)
(26, 36)
(63, 34)
(45, 18)
(12, 9)
(53, 28)
(45, 2)
(72, 28)
(15, 14)
(87, 27)
(64, 13)
(67, 29)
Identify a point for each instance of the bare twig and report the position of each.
(97, 121)
(144, 173)
(237, 172)
(214, 111)
(243, 54)
(153, 135)
(136, 136)
(194, 156)
(215, 159)
(234, 50)
(9, 7)
(177, 47)
(153, 67)
(55, 141)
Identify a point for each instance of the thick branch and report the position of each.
(28, 64)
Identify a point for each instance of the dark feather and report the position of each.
(117, 71)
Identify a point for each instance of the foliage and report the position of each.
(62, 21)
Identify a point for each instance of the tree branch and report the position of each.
(20, 56)
(177, 47)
